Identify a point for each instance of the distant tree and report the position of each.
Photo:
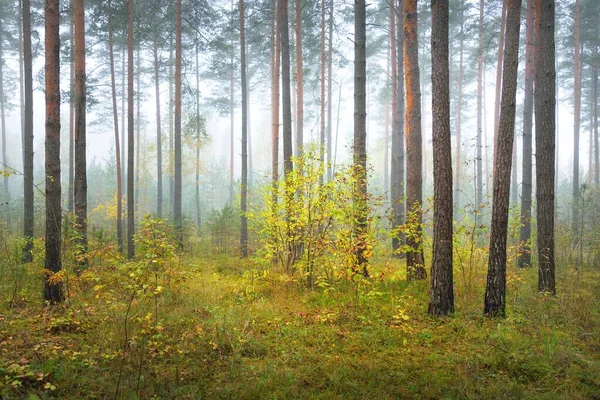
(3, 104)
(495, 291)
(415, 262)
(52, 288)
(27, 136)
(545, 100)
(130, 133)
(441, 294)
(177, 139)
(577, 118)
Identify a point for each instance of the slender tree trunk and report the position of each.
(457, 165)
(138, 120)
(177, 139)
(495, 291)
(70, 190)
(286, 95)
(595, 114)
(441, 294)
(159, 172)
(52, 289)
(231, 114)
(3, 127)
(171, 133)
(514, 195)
(387, 109)
(244, 183)
(130, 138)
(479, 140)
(499, 76)
(249, 127)
(323, 99)
(27, 137)
(527, 184)
(117, 144)
(123, 115)
(360, 134)
(415, 261)
(486, 143)
(544, 97)
(21, 80)
(299, 81)
(329, 94)
(275, 64)
(577, 121)
(80, 188)
(198, 141)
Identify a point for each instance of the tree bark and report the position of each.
(360, 134)
(80, 188)
(595, 114)
(527, 184)
(138, 120)
(159, 171)
(577, 122)
(499, 75)
(275, 64)
(244, 183)
(286, 95)
(117, 144)
(544, 97)
(171, 163)
(495, 291)
(231, 114)
(27, 137)
(441, 293)
(299, 81)
(415, 261)
(130, 138)
(177, 139)
(52, 290)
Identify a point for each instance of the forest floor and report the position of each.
(231, 332)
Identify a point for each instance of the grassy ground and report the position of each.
(229, 333)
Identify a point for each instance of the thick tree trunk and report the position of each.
(244, 183)
(27, 137)
(130, 142)
(415, 261)
(80, 192)
(52, 289)
(299, 81)
(441, 293)
(544, 96)
(495, 291)
(527, 184)
(159, 172)
(479, 140)
(177, 216)
(117, 144)
(360, 133)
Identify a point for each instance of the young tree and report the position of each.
(441, 294)
(177, 139)
(244, 183)
(414, 184)
(544, 97)
(130, 138)
(80, 188)
(360, 132)
(52, 289)
(527, 185)
(27, 136)
(495, 291)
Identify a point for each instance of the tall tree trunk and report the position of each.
(514, 194)
(360, 133)
(80, 192)
(322, 79)
(231, 114)
(177, 139)
(138, 120)
(299, 81)
(388, 100)
(415, 260)
(275, 64)
(21, 80)
(441, 293)
(27, 137)
(495, 291)
(544, 97)
(527, 184)
(117, 144)
(198, 141)
(286, 95)
(577, 121)
(159, 172)
(595, 114)
(171, 133)
(123, 114)
(479, 140)
(130, 141)
(457, 164)
(499, 76)
(52, 289)
(329, 94)
(244, 183)
(3, 127)
(70, 190)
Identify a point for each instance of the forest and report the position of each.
(284, 199)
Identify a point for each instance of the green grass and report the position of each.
(226, 333)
